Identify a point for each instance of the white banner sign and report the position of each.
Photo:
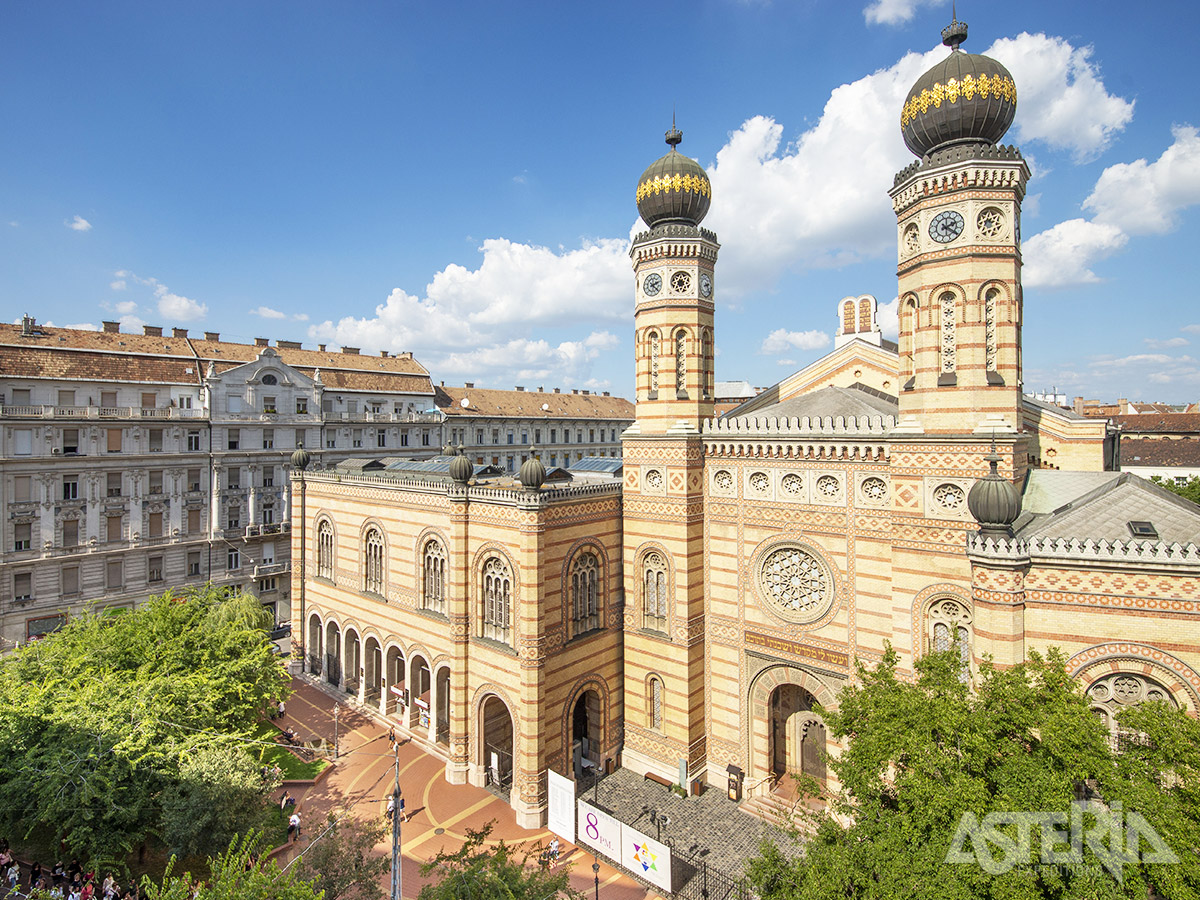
(645, 857)
(599, 831)
(562, 806)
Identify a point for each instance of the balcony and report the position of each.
(98, 412)
(397, 418)
(266, 570)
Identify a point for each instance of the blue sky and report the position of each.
(457, 179)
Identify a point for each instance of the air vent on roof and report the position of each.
(1143, 529)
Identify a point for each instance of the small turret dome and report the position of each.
(533, 473)
(966, 98)
(300, 457)
(994, 502)
(674, 188)
(461, 469)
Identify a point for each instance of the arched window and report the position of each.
(990, 300)
(497, 600)
(373, 570)
(325, 549)
(864, 315)
(654, 351)
(950, 626)
(433, 588)
(270, 379)
(1112, 693)
(848, 317)
(654, 703)
(706, 388)
(654, 581)
(585, 593)
(949, 343)
(680, 360)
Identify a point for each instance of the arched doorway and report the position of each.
(373, 659)
(1110, 694)
(395, 672)
(585, 734)
(333, 653)
(353, 661)
(797, 737)
(419, 685)
(442, 700)
(497, 744)
(315, 632)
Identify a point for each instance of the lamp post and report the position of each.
(397, 812)
(596, 875)
(337, 707)
(300, 461)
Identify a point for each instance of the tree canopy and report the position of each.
(342, 864)
(942, 785)
(236, 874)
(112, 720)
(1189, 490)
(477, 872)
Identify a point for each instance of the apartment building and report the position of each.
(136, 462)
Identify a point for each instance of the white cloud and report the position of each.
(522, 360)
(125, 307)
(781, 340)
(170, 305)
(1146, 198)
(1156, 344)
(300, 317)
(1062, 255)
(79, 223)
(1061, 99)
(895, 12)
(118, 285)
(1191, 329)
(888, 317)
(267, 313)
(82, 326)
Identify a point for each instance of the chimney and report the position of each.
(288, 345)
(321, 347)
(574, 390)
(28, 323)
(351, 351)
(383, 353)
(586, 393)
(468, 384)
(179, 332)
(152, 330)
(111, 327)
(541, 390)
(407, 354)
(606, 394)
(557, 391)
(262, 342)
(212, 335)
(520, 388)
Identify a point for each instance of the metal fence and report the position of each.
(694, 879)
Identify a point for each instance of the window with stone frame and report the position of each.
(585, 593)
(654, 592)
(325, 550)
(1120, 690)
(373, 566)
(433, 584)
(949, 625)
(948, 306)
(654, 342)
(654, 703)
(496, 587)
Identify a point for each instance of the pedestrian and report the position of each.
(391, 807)
(14, 875)
(285, 801)
(554, 850)
(293, 827)
(392, 738)
(281, 709)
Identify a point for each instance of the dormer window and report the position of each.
(1143, 530)
(270, 379)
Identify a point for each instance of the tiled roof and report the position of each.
(1160, 423)
(119, 356)
(531, 404)
(1105, 513)
(1045, 490)
(829, 401)
(1160, 452)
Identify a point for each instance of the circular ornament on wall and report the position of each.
(723, 480)
(792, 484)
(874, 489)
(946, 226)
(680, 282)
(760, 483)
(912, 240)
(949, 497)
(653, 284)
(828, 486)
(654, 479)
(990, 222)
(795, 584)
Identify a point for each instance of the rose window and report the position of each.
(654, 478)
(874, 488)
(792, 484)
(680, 282)
(794, 582)
(990, 221)
(828, 486)
(949, 496)
(760, 482)
(723, 480)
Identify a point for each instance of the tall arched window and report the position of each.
(585, 593)
(497, 600)
(654, 703)
(373, 568)
(654, 351)
(949, 342)
(864, 315)
(654, 581)
(433, 588)
(950, 626)
(990, 301)
(848, 317)
(325, 549)
(706, 377)
(680, 360)
(1110, 694)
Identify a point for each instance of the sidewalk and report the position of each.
(438, 813)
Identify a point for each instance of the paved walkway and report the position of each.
(438, 813)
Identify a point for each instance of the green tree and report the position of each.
(343, 864)
(98, 719)
(477, 872)
(236, 874)
(1189, 490)
(920, 755)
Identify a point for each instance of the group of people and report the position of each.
(69, 882)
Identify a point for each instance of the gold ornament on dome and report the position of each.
(660, 184)
(967, 87)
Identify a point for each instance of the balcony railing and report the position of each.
(266, 570)
(99, 412)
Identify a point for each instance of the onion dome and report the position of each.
(460, 467)
(300, 457)
(674, 188)
(994, 502)
(533, 473)
(966, 98)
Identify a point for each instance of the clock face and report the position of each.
(705, 285)
(653, 284)
(946, 226)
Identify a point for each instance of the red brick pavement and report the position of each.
(439, 813)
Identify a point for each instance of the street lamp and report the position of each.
(596, 875)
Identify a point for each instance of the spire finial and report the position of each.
(956, 32)
(674, 136)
